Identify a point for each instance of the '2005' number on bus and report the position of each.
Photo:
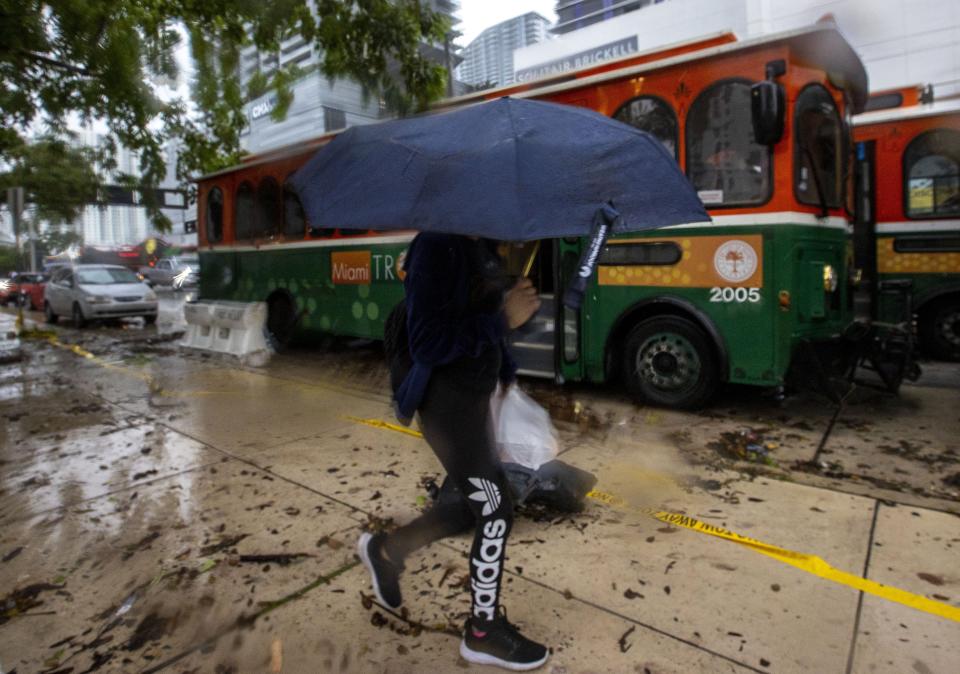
(734, 294)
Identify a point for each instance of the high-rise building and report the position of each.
(112, 225)
(319, 105)
(488, 59)
(576, 14)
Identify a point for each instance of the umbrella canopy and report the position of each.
(510, 169)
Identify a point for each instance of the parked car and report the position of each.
(98, 291)
(178, 272)
(25, 289)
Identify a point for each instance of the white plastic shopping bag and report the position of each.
(523, 430)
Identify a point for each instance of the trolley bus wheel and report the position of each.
(50, 317)
(281, 319)
(940, 329)
(668, 360)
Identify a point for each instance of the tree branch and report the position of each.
(54, 62)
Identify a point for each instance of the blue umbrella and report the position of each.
(510, 169)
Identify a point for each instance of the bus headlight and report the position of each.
(830, 279)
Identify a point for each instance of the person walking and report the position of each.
(447, 352)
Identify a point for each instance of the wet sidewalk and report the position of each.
(171, 512)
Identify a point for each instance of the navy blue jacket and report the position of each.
(441, 326)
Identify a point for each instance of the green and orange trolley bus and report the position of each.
(761, 128)
(908, 205)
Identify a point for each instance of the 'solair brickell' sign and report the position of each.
(605, 52)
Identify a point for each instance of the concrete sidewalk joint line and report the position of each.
(809, 563)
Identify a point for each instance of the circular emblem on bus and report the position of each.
(735, 260)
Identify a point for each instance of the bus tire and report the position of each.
(939, 328)
(48, 314)
(669, 361)
(281, 319)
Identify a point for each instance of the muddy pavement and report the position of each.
(164, 511)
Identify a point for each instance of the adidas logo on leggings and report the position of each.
(489, 494)
(486, 570)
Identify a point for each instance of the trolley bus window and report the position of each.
(294, 220)
(268, 208)
(214, 215)
(322, 232)
(884, 101)
(818, 153)
(724, 162)
(243, 211)
(931, 169)
(653, 115)
(931, 243)
(654, 253)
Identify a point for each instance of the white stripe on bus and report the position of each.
(917, 226)
(743, 220)
(767, 219)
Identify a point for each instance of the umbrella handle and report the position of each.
(603, 221)
(533, 255)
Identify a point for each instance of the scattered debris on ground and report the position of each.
(746, 445)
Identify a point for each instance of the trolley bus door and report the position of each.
(533, 345)
(865, 228)
(548, 345)
(569, 364)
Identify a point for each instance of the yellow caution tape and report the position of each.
(379, 423)
(810, 563)
(83, 353)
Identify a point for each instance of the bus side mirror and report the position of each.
(767, 107)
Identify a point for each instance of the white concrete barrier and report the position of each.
(235, 328)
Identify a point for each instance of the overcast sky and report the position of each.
(478, 15)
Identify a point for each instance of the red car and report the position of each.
(27, 288)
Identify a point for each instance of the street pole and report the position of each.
(31, 231)
(446, 53)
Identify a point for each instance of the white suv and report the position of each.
(97, 291)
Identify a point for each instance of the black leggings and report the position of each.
(456, 423)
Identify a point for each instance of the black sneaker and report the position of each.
(499, 643)
(384, 573)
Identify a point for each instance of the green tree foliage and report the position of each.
(62, 173)
(12, 260)
(54, 242)
(100, 59)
